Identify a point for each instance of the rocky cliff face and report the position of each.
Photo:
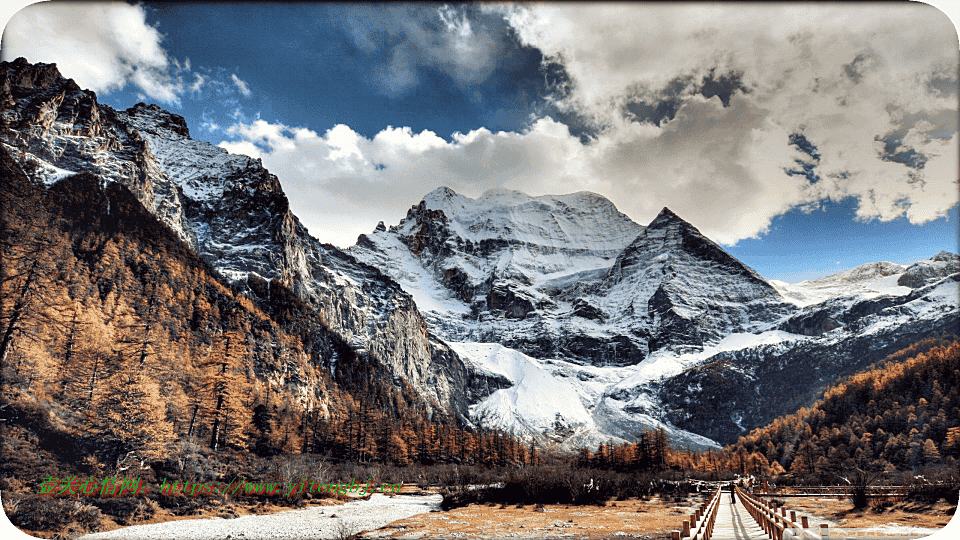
(230, 209)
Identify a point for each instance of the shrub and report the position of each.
(181, 505)
(125, 510)
(54, 514)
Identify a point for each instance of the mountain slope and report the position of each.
(230, 209)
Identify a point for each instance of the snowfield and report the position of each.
(587, 403)
(310, 524)
(536, 402)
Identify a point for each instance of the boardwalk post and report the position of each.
(824, 530)
(803, 522)
(793, 516)
(686, 529)
(676, 535)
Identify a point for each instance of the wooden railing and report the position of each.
(700, 525)
(777, 525)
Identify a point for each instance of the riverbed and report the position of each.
(325, 522)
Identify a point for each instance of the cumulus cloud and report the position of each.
(341, 183)
(103, 46)
(846, 77)
(331, 178)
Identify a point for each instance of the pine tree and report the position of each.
(930, 452)
(132, 417)
(225, 390)
(35, 255)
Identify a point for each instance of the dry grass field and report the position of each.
(894, 514)
(650, 519)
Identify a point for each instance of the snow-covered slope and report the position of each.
(504, 242)
(537, 401)
(580, 222)
(869, 280)
(565, 404)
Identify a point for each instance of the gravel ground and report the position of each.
(310, 524)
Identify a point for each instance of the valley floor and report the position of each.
(416, 514)
(897, 518)
(634, 518)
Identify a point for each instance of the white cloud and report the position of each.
(845, 76)
(198, 82)
(341, 183)
(242, 86)
(103, 46)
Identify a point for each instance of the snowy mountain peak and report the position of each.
(946, 256)
(579, 220)
(864, 272)
(666, 216)
(440, 198)
(668, 240)
(686, 288)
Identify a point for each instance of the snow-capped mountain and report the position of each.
(591, 321)
(552, 316)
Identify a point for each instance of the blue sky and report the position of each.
(806, 139)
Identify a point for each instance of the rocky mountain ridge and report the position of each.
(229, 209)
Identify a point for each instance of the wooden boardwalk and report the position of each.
(734, 522)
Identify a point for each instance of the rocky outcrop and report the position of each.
(23, 78)
(586, 310)
(925, 272)
(813, 323)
